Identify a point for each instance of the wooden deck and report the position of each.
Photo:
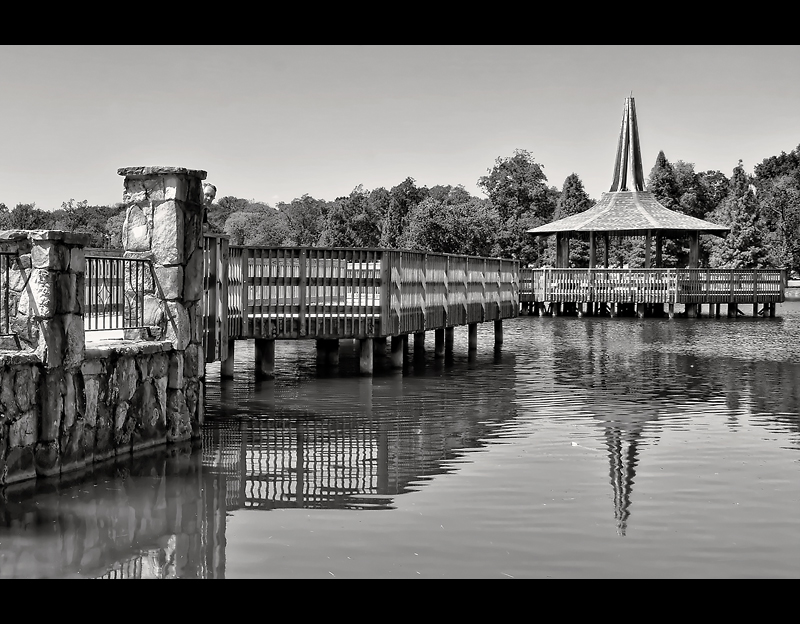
(283, 293)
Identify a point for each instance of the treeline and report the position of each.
(762, 210)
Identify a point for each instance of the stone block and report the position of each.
(160, 384)
(176, 187)
(19, 465)
(178, 328)
(42, 292)
(65, 294)
(23, 430)
(159, 365)
(193, 361)
(136, 230)
(8, 401)
(49, 254)
(169, 282)
(77, 260)
(92, 367)
(70, 403)
(52, 343)
(52, 406)
(193, 277)
(124, 378)
(46, 458)
(178, 419)
(26, 381)
(91, 389)
(154, 311)
(167, 237)
(75, 340)
(175, 376)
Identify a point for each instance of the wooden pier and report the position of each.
(327, 294)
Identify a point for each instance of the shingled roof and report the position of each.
(627, 209)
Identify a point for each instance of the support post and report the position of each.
(366, 358)
(671, 312)
(648, 243)
(659, 247)
(419, 345)
(448, 340)
(327, 352)
(472, 336)
(265, 358)
(498, 332)
(398, 350)
(226, 366)
(379, 349)
(438, 349)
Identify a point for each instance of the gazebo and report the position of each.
(627, 210)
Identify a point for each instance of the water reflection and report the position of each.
(153, 515)
(352, 443)
(332, 440)
(628, 375)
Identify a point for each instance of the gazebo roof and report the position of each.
(627, 209)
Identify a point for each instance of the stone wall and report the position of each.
(64, 405)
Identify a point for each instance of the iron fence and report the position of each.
(115, 290)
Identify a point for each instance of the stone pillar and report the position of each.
(45, 313)
(164, 223)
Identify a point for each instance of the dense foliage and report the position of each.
(762, 210)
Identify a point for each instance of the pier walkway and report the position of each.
(368, 295)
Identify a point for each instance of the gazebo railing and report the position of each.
(662, 285)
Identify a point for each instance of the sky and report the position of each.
(273, 123)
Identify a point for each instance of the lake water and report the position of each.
(602, 448)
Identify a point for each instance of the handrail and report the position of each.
(661, 285)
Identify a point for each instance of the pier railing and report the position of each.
(297, 292)
(702, 285)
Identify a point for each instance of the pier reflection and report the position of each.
(162, 513)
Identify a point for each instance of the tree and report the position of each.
(304, 219)
(402, 199)
(458, 228)
(572, 200)
(26, 217)
(516, 187)
(220, 210)
(745, 245)
(779, 202)
(257, 224)
(662, 183)
(352, 222)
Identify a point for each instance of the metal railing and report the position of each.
(115, 290)
(7, 260)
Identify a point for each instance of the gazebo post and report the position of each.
(693, 309)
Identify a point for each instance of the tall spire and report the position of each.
(628, 174)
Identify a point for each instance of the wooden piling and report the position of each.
(264, 358)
